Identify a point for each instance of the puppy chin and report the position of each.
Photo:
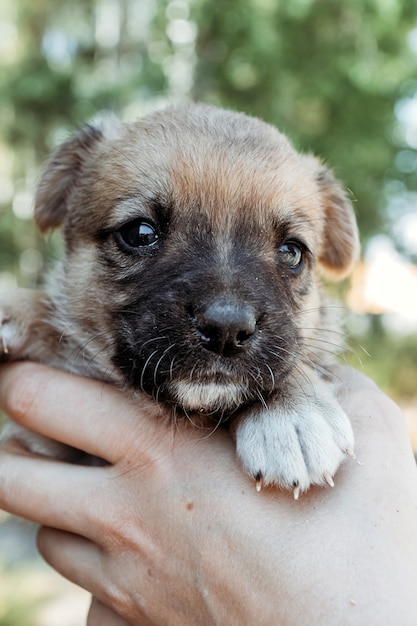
(208, 397)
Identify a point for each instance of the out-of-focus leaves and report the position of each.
(327, 73)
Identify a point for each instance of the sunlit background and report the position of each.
(340, 78)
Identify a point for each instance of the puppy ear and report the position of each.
(340, 239)
(60, 177)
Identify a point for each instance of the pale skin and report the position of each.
(173, 533)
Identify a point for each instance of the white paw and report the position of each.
(294, 447)
(19, 311)
(9, 332)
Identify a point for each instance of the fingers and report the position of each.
(84, 563)
(45, 491)
(88, 415)
(78, 559)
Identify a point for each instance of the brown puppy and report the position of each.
(194, 242)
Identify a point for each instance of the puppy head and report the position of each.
(194, 238)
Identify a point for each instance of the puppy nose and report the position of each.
(226, 327)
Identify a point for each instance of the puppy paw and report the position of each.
(295, 447)
(10, 334)
(19, 311)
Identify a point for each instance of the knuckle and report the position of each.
(21, 392)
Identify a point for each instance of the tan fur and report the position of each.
(214, 172)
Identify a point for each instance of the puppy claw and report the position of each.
(350, 453)
(329, 480)
(297, 491)
(259, 482)
(4, 346)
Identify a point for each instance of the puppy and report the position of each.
(194, 243)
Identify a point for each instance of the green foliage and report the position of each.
(392, 362)
(328, 73)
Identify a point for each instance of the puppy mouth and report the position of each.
(208, 398)
(205, 383)
(218, 388)
(221, 360)
(215, 391)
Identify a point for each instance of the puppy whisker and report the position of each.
(320, 309)
(147, 362)
(216, 426)
(146, 343)
(165, 352)
(279, 355)
(195, 424)
(335, 347)
(171, 369)
(82, 354)
(272, 375)
(191, 375)
(327, 331)
(261, 399)
(314, 360)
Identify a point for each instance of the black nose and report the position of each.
(226, 327)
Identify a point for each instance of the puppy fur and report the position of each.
(195, 239)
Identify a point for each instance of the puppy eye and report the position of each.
(291, 254)
(137, 234)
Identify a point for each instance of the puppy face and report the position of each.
(194, 241)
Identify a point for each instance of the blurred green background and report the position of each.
(340, 78)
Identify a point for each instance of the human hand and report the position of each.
(172, 532)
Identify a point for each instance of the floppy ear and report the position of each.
(340, 238)
(60, 177)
